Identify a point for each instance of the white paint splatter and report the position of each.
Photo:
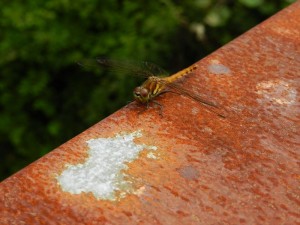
(101, 174)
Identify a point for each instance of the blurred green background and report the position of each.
(46, 98)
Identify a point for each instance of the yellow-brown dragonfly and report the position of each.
(157, 83)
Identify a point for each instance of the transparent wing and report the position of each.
(178, 89)
(142, 69)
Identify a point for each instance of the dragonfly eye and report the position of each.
(144, 92)
(140, 92)
(137, 91)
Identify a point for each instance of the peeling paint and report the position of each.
(102, 173)
(277, 91)
(195, 110)
(189, 172)
(151, 155)
(218, 69)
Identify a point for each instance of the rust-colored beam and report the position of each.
(188, 166)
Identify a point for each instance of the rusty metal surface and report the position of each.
(207, 170)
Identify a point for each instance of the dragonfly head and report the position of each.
(141, 94)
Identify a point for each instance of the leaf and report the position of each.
(252, 3)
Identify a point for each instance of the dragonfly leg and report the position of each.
(147, 106)
(160, 107)
(144, 108)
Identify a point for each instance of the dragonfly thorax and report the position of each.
(141, 94)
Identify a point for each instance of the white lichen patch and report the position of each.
(101, 174)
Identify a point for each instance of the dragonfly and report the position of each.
(157, 81)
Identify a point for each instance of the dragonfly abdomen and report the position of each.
(181, 73)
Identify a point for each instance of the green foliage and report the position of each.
(46, 98)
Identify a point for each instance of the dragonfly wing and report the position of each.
(134, 68)
(118, 66)
(175, 88)
(185, 92)
(155, 69)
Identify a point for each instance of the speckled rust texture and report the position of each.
(240, 170)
